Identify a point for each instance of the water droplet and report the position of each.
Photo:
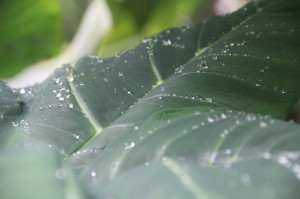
(245, 177)
(70, 78)
(228, 151)
(60, 173)
(231, 44)
(209, 100)
(93, 174)
(284, 161)
(203, 65)
(136, 128)
(70, 106)
(15, 124)
(263, 124)
(22, 91)
(129, 145)
(194, 127)
(214, 57)
(266, 155)
(210, 120)
(223, 116)
(76, 136)
(167, 42)
(120, 74)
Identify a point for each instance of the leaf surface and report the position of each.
(192, 112)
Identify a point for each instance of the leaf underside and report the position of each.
(192, 112)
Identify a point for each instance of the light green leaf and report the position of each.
(41, 174)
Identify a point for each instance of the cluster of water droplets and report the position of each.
(290, 160)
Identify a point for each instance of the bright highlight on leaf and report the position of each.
(192, 112)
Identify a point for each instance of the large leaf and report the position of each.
(193, 112)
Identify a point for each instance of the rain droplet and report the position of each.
(284, 161)
(203, 65)
(167, 42)
(214, 57)
(76, 136)
(228, 151)
(60, 173)
(71, 78)
(129, 145)
(245, 177)
(15, 124)
(120, 74)
(70, 106)
(93, 174)
(266, 155)
(209, 119)
(22, 91)
(263, 124)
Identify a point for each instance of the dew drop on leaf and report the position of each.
(60, 173)
(22, 91)
(203, 65)
(129, 145)
(167, 42)
(263, 124)
(120, 74)
(71, 78)
(266, 155)
(246, 177)
(15, 124)
(228, 151)
(283, 91)
(70, 106)
(76, 136)
(209, 119)
(284, 161)
(93, 174)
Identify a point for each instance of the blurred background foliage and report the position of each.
(136, 19)
(35, 30)
(30, 30)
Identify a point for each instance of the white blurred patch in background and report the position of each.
(228, 6)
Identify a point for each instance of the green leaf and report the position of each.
(192, 112)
